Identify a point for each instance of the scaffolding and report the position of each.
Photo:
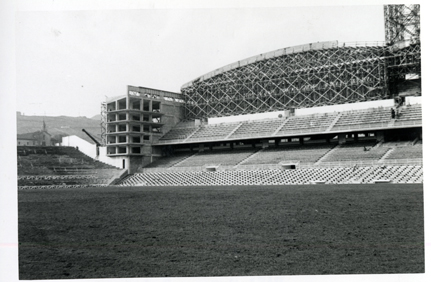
(312, 75)
(312, 78)
(103, 119)
(402, 23)
(403, 60)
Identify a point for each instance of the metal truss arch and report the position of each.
(316, 77)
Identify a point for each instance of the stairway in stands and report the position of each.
(251, 156)
(326, 155)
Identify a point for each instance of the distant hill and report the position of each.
(63, 125)
(97, 117)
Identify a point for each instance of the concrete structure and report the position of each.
(134, 121)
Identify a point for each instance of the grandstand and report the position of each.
(53, 167)
(326, 112)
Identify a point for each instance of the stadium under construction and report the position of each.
(325, 112)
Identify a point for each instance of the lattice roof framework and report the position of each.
(316, 77)
(402, 22)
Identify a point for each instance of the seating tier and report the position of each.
(307, 154)
(178, 133)
(330, 175)
(356, 152)
(308, 123)
(406, 152)
(219, 131)
(169, 161)
(381, 115)
(410, 112)
(257, 128)
(217, 157)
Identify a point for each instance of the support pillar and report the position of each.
(342, 138)
(201, 147)
(380, 136)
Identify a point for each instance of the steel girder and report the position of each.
(305, 79)
(402, 22)
(402, 60)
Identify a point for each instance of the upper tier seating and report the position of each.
(307, 123)
(410, 112)
(217, 157)
(304, 154)
(218, 131)
(178, 133)
(351, 118)
(375, 117)
(257, 128)
(356, 152)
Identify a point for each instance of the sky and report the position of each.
(69, 61)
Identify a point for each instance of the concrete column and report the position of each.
(380, 136)
(201, 147)
(341, 138)
(301, 140)
(128, 167)
(355, 136)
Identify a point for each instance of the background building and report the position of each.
(38, 138)
(131, 123)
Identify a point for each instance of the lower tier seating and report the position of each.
(304, 154)
(329, 175)
(217, 157)
(358, 151)
(169, 161)
(406, 152)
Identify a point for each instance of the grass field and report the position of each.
(221, 231)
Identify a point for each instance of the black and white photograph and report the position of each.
(213, 140)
